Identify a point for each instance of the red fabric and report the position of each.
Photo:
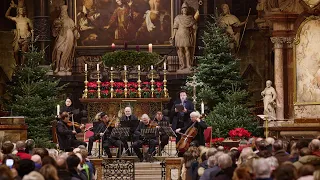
(23, 155)
(316, 153)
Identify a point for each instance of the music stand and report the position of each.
(170, 133)
(148, 134)
(132, 124)
(120, 132)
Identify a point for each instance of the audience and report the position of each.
(279, 152)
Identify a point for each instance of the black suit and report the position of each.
(98, 128)
(66, 138)
(126, 118)
(163, 136)
(132, 129)
(201, 126)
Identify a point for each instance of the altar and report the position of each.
(114, 106)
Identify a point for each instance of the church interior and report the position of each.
(160, 89)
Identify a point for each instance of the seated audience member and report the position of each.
(5, 172)
(305, 151)
(314, 146)
(307, 159)
(269, 143)
(30, 144)
(263, 151)
(34, 175)
(42, 152)
(261, 169)
(37, 161)
(49, 172)
(190, 164)
(286, 171)
(7, 148)
(279, 152)
(226, 168)
(72, 163)
(21, 146)
(306, 172)
(49, 160)
(242, 173)
(211, 167)
(244, 155)
(204, 165)
(25, 167)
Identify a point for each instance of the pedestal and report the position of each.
(13, 128)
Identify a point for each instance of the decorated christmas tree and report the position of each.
(33, 94)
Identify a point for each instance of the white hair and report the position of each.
(273, 162)
(270, 140)
(261, 168)
(145, 116)
(314, 145)
(224, 161)
(195, 114)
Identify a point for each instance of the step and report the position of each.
(148, 177)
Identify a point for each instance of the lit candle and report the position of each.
(150, 47)
(202, 107)
(125, 67)
(151, 67)
(111, 68)
(98, 67)
(138, 67)
(85, 67)
(113, 46)
(58, 109)
(164, 66)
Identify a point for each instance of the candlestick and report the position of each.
(125, 67)
(125, 82)
(98, 67)
(113, 46)
(151, 67)
(139, 82)
(164, 66)
(98, 83)
(202, 107)
(150, 47)
(152, 83)
(165, 90)
(58, 110)
(111, 83)
(85, 92)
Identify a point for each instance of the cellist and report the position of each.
(201, 125)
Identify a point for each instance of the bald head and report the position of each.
(128, 111)
(314, 145)
(36, 158)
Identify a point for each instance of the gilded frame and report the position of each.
(295, 43)
(143, 46)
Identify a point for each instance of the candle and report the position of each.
(151, 67)
(138, 67)
(202, 107)
(164, 66)
(111, 68)
(113, 46)
(125, 67)
(58, 110)
(85, 67)
(98, 67)
(150, 47)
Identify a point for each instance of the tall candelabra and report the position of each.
(85, 92)
(98, 83)
(139, 83)
(125, 84)
(165, 90)
(111, 84)
(152, 83)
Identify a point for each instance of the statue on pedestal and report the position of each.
(184, 37)
(66, 34)
(232, 24)
(269, 100)
(22, 33)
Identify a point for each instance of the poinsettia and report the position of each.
(239, 132)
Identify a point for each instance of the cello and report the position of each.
(186, 138)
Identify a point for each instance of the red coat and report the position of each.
(23, 155)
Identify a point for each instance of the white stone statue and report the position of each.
(184, 32)
(22, 33)
(231, 23)
(66, 34)
(269, 100)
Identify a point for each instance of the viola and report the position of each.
(152, 124)
(75, 124)
(186, 138)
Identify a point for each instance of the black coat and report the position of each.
(125, 118)
(180, 120)
(201, 126)
(65, 135)
(137, 133)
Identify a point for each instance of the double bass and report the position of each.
(186, 138)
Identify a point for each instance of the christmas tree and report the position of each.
(33, 94)
(222, 89)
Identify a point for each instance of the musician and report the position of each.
(70, 109)
(160, 119)
(201, 125)
(139, 140)
(128, 114)
(66, 134)
(179, 118)
(98, 128)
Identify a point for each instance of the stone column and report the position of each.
(290, 78)
(278, 74)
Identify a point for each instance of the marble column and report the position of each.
(289, 113)
(278, 74)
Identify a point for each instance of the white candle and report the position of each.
(58, 109)
(151, 67)
(85, 67)
(164, 66)
(125, 67)
(150, 47)
(98, 67)
(111, 68)
(202, 107)
(138, 67)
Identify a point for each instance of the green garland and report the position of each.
(131, 58)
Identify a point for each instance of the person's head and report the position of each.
(119, 2)
(211, 152)
(245, 154)
(306, 170)
(34, 175)
(61, 163)
(49, 172)
(286, 171)
(242, 173)
(268, 83)
(314, 145)
(20, 145)
(7, 148)
(273, 162)
(184, 8)
(261, 145)
(49, 160)
(225, 9)
(5, 172)
(127, 111)
(53, 153)
(72, 162)
(84, 153)
(234, 154)
(25, 167)
(42, 152)
(224, 161)
(211, 161)
(305, 151)
(68, 102)
(183, 96)
(261, 168)
(277, 145)
(30, 144)
(159, 116)
(64, 116)
(216, 157)
(104, 117)
(36, 158)
(270, 141)
(145, 118)
(194, 116)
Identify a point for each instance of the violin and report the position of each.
(75, 124)
(152, 124)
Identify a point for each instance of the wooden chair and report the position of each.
(208, 136)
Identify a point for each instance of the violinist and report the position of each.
(98, 128)
(70, 109)
(66, 131)
(139, 141)
(160, 119)
(201, 125)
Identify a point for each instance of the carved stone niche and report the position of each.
(173, 168)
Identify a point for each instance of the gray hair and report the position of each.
(211, 152)
(314, 145)
(224, 161)
(261, 168)
(211, 161)
(145, 116)
(277, 145)
(216, 156)
(195, 114)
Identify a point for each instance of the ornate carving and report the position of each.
(42, 28)
(118, 168)
(279, 41)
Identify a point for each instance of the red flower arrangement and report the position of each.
(239, 132)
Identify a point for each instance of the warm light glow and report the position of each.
(85, 67)
(164, 66)
(151, 67)
(98, 67)
(138, 67)
(150, 47)
(125, 67)
(58, 109)
(202, 107)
